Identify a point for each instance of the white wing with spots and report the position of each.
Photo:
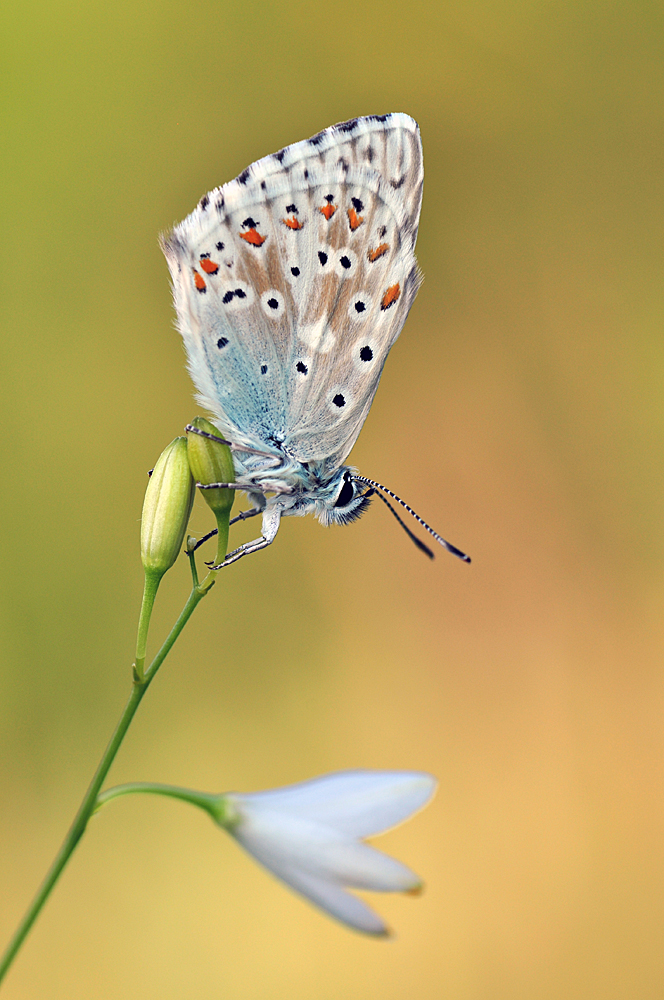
(293, 281)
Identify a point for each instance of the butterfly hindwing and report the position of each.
(236, 352)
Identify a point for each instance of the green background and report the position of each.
(521, 413)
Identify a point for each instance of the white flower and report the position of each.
(309, 834)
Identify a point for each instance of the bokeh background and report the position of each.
(521, 412)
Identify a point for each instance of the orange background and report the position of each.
(521, 413)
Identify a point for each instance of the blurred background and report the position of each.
(521, 413)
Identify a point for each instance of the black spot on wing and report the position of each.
(339, 400)
(204, 202)
(222, 342)
(244, 176)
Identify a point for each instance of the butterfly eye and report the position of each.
(347, 492)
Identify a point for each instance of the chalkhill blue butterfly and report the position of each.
(291, 283)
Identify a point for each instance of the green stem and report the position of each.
(141, 684)
(75, 831)
(150, 588)
(204, 800)
(223, 528)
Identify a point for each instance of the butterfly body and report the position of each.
(291, 284)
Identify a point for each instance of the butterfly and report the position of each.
(291, 284)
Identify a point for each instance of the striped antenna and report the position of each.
(446, 545)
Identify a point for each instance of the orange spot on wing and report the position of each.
(354, 219)
(253, 237)
(209, 266)
(198, 281)
(328, 211)
(378, 252)
(390, 296)
(292, 223)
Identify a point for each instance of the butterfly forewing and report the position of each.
(360, 278)
(293, 281)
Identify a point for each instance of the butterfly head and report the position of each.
(342, 499)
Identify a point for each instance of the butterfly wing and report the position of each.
(293, 281)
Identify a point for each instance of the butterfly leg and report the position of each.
(271, 519)
(245, 514)
(221, 486)
(190, 429)
(242, 516)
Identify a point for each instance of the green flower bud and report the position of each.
(166, 509)
(211, 462)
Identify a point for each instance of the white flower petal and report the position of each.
(335, 901)
(308, 836)
(280, 841)
(358, 803)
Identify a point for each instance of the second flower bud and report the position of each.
(211, 461)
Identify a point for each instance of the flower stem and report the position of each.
(75, 831)
(204, 800)
(150, 588)
(222, 537)
(142, 681)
